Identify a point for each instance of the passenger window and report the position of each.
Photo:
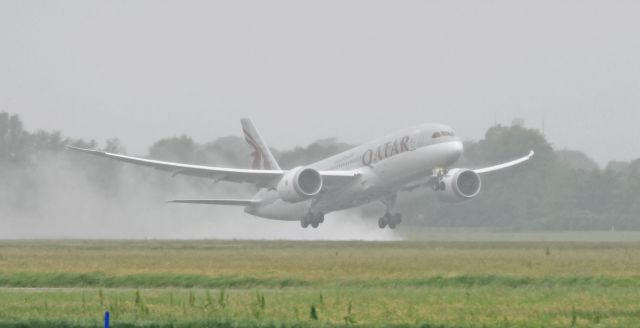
(436, 135)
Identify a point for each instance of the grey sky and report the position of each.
(142, 70)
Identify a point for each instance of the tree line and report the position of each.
(556, 190)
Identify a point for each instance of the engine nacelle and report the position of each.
(459, 185)
(300, 184)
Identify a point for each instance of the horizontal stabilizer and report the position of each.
(232, 202)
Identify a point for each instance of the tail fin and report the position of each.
(262, 157)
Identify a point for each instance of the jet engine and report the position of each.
(299, 184)
(459, 185)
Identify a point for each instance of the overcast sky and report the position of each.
(143, 70)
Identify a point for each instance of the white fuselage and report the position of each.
(385, 166)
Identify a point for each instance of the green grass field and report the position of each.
(320, 284)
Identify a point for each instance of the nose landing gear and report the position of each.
(312, 220)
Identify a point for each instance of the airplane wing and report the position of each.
(332, 179)
(420, 183)
(232, 202)
(216, 173)
(505, 165)
(430, 180)
(259, 177)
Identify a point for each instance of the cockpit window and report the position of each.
(440, 134)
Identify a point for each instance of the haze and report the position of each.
(144, 70)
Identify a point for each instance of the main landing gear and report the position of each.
(439, 185)
(312, 219)
(390, 220)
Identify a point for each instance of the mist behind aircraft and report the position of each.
(47, 192)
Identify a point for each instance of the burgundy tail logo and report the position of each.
(258, 155)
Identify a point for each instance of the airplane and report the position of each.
(416, 157)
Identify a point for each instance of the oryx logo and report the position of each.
(259, 159)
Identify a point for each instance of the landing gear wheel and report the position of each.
(396, 219)
(382, 223)
(389, 220)
(311, 219)
(439, 186)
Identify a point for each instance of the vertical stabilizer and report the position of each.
(262, 157)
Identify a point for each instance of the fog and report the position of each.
(50, 192)
(144, 70)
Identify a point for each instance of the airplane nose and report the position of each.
(455, 152)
